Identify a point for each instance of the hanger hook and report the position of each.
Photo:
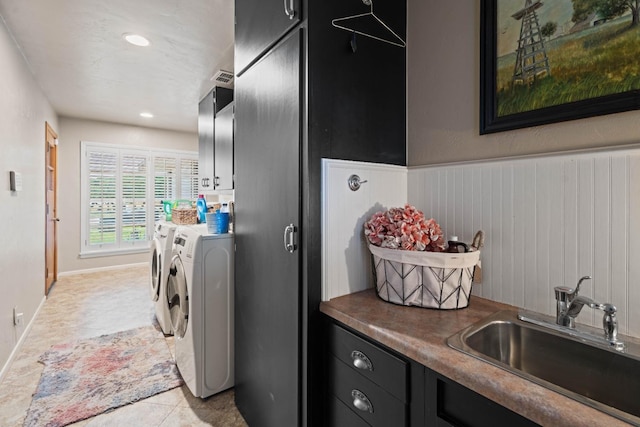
(367, 2)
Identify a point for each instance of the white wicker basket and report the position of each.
(425, 279)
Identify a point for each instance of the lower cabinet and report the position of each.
(371, 385)
(452, 404)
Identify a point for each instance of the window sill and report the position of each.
(113, 252)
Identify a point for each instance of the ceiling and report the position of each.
(78, 56)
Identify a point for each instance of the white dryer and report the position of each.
(200, 294)
(161, 253)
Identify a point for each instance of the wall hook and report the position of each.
(355, 182)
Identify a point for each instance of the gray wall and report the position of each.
(72, 132)
(443, 50)
(23, 112)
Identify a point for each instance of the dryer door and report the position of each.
(178, 297)
(155, 270)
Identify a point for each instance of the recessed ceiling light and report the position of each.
(136, 39)
(146, 115)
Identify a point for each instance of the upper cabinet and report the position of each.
(223, 149)
(259, 24)
(210, 177)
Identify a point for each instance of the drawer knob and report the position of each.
(361, 401)
(361, 361)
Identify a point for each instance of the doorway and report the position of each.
(51, 208)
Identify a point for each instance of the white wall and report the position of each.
(72, 131)
(346, 260)
(23, 112)
(548, 221)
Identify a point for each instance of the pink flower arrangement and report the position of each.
(404, 228)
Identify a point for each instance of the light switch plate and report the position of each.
(15, 181)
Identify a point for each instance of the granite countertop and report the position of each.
(421, 334)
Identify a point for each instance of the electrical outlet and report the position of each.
(17, 317)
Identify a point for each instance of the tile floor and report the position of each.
(87, 305)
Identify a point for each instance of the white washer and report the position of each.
(200, 294)
(161, 252)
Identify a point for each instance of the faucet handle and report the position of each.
(564, 293)
(567, 294)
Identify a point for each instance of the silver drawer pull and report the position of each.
(361, 361)
(361, 401)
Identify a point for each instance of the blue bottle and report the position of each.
(201, 206)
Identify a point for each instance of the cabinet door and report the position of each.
(451, 404)
(223, 160)
(259, 24)
(205, 141)
(267, 200)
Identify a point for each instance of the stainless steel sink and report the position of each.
(604, 378)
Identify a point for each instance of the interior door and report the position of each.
(267, 196)
(51, 209)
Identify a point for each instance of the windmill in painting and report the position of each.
(531, 57)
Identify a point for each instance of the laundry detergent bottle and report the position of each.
(201, 206)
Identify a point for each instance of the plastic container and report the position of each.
(167, 207)
(201, 206)
(218, 222)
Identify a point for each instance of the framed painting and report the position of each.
(554, 60)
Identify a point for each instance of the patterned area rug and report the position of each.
(85, 378)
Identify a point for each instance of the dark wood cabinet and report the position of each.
(267, 213)
(369, 360)
(259, 25)
(397, 391)
(371, 402)
(223, 149)
(369, 383)
(451, 404)
(217, 99)
(340, 104)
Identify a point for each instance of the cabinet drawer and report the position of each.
(379, 407)
(341, 416)
(374, 363)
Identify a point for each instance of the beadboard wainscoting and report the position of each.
(346, 260)
(548, 221)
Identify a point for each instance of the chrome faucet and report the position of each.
(569, 304)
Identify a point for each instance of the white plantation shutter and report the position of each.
(189, 178)
(164, 183)
(102, 174)
(133, 174)
(122, 193)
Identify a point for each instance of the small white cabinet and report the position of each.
(215, 148)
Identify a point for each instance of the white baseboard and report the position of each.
(99, 269)
(18, 345)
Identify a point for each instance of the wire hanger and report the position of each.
(396, 40)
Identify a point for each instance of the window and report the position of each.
(166, 186)
(122, 193)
